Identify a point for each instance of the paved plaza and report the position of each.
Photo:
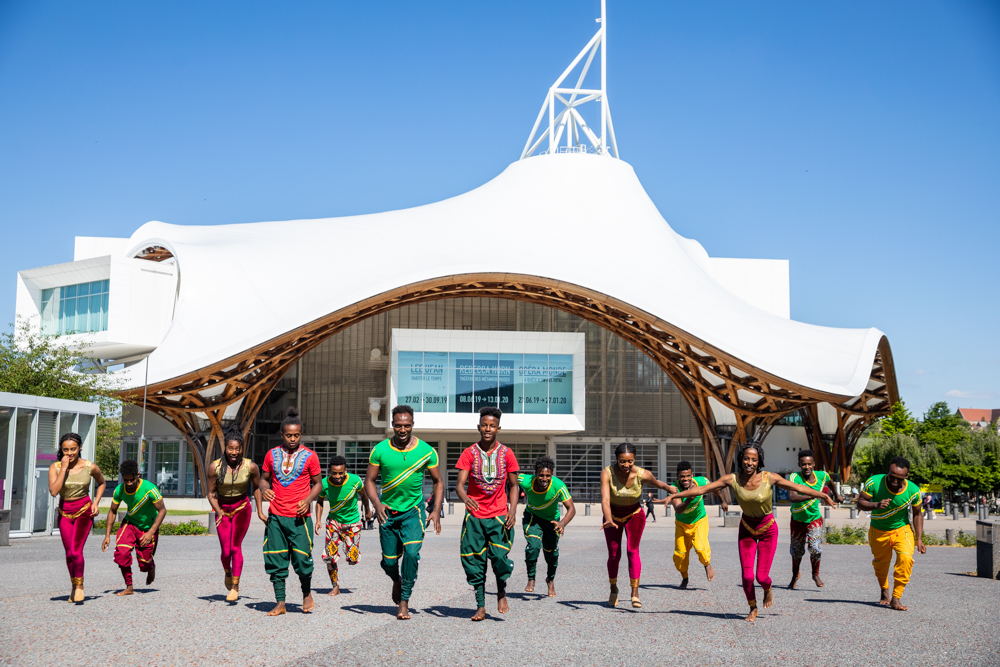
(183, 619)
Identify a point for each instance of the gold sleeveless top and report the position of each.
(756, 503)
(228, 486)
(77, 484)
(624, 495)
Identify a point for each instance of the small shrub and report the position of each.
(190, 528)
(846, 535)
(966, 539)
(933, 540)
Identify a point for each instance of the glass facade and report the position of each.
(80, 308)
(168, 467)
(465, 382)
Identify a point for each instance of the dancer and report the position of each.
(888, 497)
(70, 478)
(230, 479)
(806, 527)
(488, 469)
(543, 492)
(343, 522)
(401, 461)
(288, 536)
(621, 501)
(758, 532)
(140, 530)
(691, 525)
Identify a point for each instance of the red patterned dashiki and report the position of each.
(291, 478)
(488, 478)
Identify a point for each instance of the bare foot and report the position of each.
(884, 600)
(819, 582)
(795, 580)
(277, 610)
(234, 594)
(684, 583)
(710, 572)
(896, 605)
(403, 612)
(530, 588)
(397, 591)
(151, 575)
(480, 614)
(335, 590)
(308, 604)
(768, 599)
(128, 591)
(752, 616)
(502, 606)
(613, 597)
(552, 588)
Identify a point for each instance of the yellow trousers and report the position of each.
(883, 543)
(686, 536)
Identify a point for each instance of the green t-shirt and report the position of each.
(894, 516)
(692, 509)
(141, 512)
(544, 505)
(403, 473)
(343, 499)
(807, 511)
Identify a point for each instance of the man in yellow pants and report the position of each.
(888, 497)
(691, 525)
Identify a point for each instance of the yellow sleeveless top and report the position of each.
(625, 494)
(77, 484)
(229, 486)
(756, 503)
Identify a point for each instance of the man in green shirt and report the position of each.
(888, 498)
(140, 529)
(542, 527)
(691, 524)
(806, 528)
(401, 461)
(341, 490)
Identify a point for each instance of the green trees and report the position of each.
(40, 366)
(942, 449)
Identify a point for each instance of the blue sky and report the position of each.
(859, 140)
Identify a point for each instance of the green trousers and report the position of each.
(486, 540)
(401, 536)
(288, 540)
(540, 534)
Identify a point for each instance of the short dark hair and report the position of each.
(401, 410)
(338, 460)
(683, 465)
(490, 411)
(900, 462)
(129, 467)
(544, 462)
(291, 418)
(806, 452)
(625, 448)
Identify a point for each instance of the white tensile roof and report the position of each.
(579, 218)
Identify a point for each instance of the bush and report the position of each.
(966, 539)
(933, 539)
(846, 535)
(190, 528)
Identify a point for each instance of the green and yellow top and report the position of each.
(693, 509)
(544, 505)
(894, 516)
(141, 511)
(343, 499)
(807, 511)
(402, 473)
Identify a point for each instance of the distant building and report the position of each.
(980, 418)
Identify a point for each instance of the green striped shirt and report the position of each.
(343, 499)
(403, 473)
(894, 516)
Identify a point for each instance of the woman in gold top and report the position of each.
(758, 533)
(621, 500)
(69, 478)
(229, 480)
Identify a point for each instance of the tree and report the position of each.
(874, 458)
(898, 421)
(943, 430)
(41, 366)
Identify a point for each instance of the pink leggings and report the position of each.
(761, 543)
(74, 532)
(231, 531)
(634, 526)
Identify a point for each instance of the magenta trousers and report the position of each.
(75, 524)
(758, 538)
(633, 527)
(231, 531)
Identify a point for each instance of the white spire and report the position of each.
(568, 127)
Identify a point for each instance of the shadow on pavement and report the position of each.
(528, 596)
(268, 606)
(326, 591)
(709, 614)
(213, 598)
(873, 603)
(86, 598)
(373, 609)
(441, 611)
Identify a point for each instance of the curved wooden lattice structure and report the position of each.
(196, 403)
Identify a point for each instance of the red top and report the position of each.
(488, 478)
(290, 483)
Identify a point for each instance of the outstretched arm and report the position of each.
(783, 483)
(718, 484)
(649, 480)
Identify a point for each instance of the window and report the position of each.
(579, 466)
(357, 455)
(79, 308)
(167, 471)
(190, 474)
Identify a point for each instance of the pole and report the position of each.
(142, 433)
(604, 77)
